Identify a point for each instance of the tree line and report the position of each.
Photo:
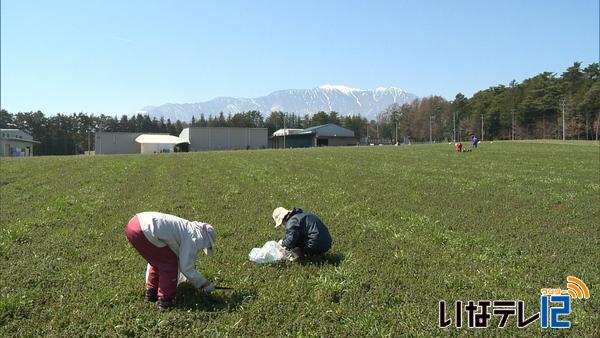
(63, 134)
(531, 109)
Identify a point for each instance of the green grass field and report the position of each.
(412, 225)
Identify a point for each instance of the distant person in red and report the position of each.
(458, 147)
(170, 245)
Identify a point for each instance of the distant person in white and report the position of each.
(170, 244)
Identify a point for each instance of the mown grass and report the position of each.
(412, 225)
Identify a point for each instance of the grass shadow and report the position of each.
(325, 259)
(190, 298)
(316, 260)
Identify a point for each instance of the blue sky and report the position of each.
(115, 57)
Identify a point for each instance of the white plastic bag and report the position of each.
(269, 253)
(180, 277)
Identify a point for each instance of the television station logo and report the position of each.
(554, 308)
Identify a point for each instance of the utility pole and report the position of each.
(482, 128)
(513, 124)
(89, 150)
(563, 102)
(597, 127)
(283, 131)
(99, 138)
(454, 130)
(396, 133)
(430, 118)
(543, 126)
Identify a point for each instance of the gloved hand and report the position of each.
(290, 255)
(208, 287)
(280, 242)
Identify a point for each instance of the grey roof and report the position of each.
(330, 129)
(17, 135)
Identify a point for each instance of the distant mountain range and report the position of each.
(344, 100)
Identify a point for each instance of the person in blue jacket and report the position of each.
(305, 233)
(474, 142)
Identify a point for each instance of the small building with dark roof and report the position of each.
(324, 135)
(16, 143)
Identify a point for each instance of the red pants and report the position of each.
(163, 262)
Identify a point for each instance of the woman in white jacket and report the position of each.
(170, 245)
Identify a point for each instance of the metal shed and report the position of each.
(324, 135)
(158, 143)
(117, 143)
(215, 138)
(15, 142)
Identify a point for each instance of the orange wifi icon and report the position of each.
(577, 288)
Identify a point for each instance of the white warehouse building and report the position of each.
(190, 139)
(215, 138)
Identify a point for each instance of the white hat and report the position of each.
(279, 214)
(209, 235)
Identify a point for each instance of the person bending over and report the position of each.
(305, 233)
(170, 245)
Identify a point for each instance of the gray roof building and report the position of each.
(217, 138)
(16, 142)
(324, 135)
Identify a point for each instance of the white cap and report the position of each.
(279, 214)
(209, 235)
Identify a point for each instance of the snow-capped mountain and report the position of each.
(344, 100)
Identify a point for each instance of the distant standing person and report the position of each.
(170, 245)
(305, 233)
(474, 142)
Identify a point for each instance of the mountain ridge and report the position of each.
(342, 99)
